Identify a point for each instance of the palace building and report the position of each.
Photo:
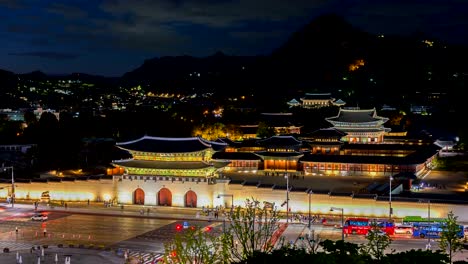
(317, 100)
(157, 160)
(360, 126)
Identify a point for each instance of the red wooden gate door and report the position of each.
(165, 197)
(139, 196)
(190, 199)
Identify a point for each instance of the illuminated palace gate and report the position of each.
(165, 197)
(190, 199)
(139, 196)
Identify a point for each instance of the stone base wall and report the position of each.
(219, 194)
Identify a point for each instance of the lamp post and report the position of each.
(228, 195)
(342, 219)
(310, 194)
(390, 211)
(232, 208)
(12, 184)
(287, 197)
(428, 213)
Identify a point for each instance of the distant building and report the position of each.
(294, 103)
(38, 112)
(388, 108)
(325, 141)
(420, 109)
(12, 115)
(339, 103)
(282, 123)
(248, 131)
(317, 100)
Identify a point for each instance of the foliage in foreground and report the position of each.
(344, 252)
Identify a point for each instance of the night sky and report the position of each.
(111, 37)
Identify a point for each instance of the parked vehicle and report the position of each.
(404, 229)
(361, 225)
(432, 230)
(39, 217)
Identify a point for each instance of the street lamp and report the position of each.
(428, 213)
(342, 219)
(390, 212)
(287, 197)
(310, 196)
(232, 207)
(228, 195)
(12, 184)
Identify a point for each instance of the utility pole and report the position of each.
(310, 194)
(287, 197)
(390, 212)
(12, 184)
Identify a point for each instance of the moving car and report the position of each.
(404, 229)
(39, 217)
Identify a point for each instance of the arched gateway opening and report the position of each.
(165, 197)
(139, 196)
(190, 199)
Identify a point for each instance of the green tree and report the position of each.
(377, 242)
(341, 252)
(265, 131)
(450, 239)
(417, 256)
(195, 246)
(251, 230)
(311, 243)
(210, 131)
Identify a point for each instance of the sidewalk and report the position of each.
(76, 255)
(160, 212)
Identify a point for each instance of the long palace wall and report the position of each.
(80, 190)
(220, 194)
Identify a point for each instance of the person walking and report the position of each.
(45, 232)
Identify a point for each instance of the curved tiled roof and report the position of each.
(162, 165)
(325, 133)
(280, 141)
(170, 145)
(317, 96)
(235, 156)
(279, 154)
(356, 116)
(416, 157)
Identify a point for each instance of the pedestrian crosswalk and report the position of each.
(14, 246)
(145, 257)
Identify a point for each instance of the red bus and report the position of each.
(361, 226)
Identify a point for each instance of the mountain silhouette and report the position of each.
(326, 55)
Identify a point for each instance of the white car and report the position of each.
(39, 217)
(404, 229)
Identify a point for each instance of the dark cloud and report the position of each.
(47, 55)
(131, 31)
(67, 11)
(219, 13)
(433, 17)
(12, 4)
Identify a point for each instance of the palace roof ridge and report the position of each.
(170, 144)
(281, 137)
(356, 116)
(203, 141)
(358, 110)
(278, 114)
(318, 93)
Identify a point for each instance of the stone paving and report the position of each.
(76, 255)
